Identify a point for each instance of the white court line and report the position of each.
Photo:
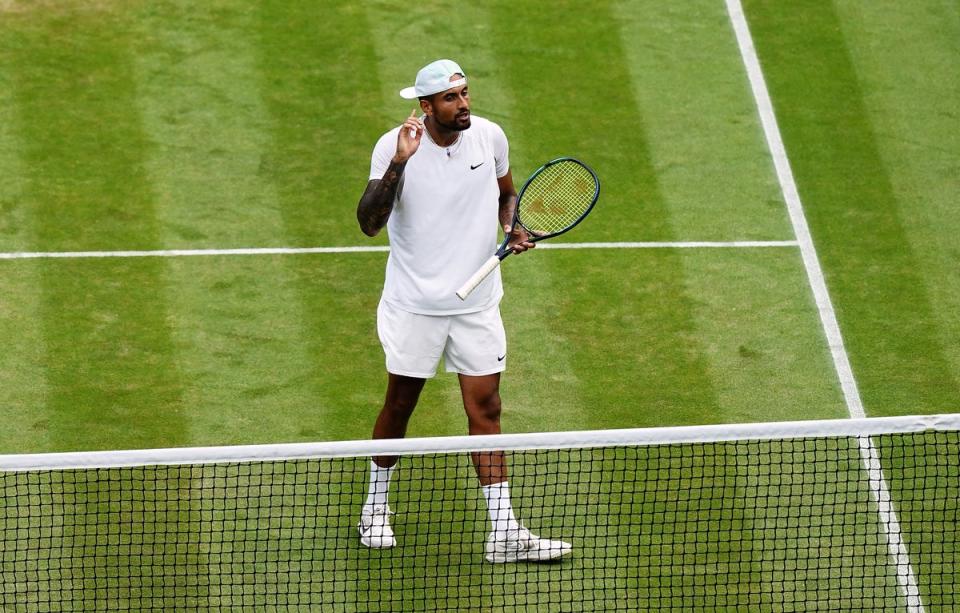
(671, 245)
(169, 253)
(172, 253)
(868, 452)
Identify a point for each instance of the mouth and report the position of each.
(464, 116)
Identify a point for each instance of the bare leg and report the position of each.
(481, 400)
(401, 399)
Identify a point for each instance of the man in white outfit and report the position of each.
(439, 183)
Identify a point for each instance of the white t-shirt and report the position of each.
(445, 220)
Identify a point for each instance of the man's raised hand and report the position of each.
(408, 141)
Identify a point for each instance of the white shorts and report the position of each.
(470, 343)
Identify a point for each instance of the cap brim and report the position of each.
(409, 93)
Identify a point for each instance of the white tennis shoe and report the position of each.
(523, 546)
(374, 526)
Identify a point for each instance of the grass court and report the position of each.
(168, 125)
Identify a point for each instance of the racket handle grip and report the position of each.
(482, 273)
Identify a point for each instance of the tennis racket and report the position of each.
(555, 198)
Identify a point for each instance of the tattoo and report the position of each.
(507, 208)
(376, 204)
(508, 205)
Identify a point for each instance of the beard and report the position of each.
(457, 125)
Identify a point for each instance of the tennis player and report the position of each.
(439, 182)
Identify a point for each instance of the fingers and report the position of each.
(413, 126)
(520, 237)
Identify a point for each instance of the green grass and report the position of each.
(845, 155)
(135, 125)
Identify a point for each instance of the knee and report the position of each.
(486, 410)
(399, 408)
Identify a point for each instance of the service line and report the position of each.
(170, 253)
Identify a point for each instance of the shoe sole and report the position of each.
(528, 556)
(376, 543)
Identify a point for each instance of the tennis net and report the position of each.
(840, 515)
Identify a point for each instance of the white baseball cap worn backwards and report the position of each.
(435, 78)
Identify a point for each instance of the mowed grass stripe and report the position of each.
(712, 163)
(22, 374)
(88, 195)
(317, 73)
(109, 377)
(648, 343)
(910, 81)
(108, 372)
(714, 169)
(237, 323)
(14, 229)
(872, 271)
(761, 337)
(199, 96)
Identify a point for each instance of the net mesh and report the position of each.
(748, 525)
(557, 198)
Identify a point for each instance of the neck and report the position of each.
(440, 135)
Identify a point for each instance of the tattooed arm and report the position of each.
(376, 204)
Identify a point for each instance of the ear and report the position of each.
(426, 106)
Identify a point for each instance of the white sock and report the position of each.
(379, 484)
(501, 511)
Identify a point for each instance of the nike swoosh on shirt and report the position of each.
(500, 359)
(472, 167)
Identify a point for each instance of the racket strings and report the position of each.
(557, 198)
